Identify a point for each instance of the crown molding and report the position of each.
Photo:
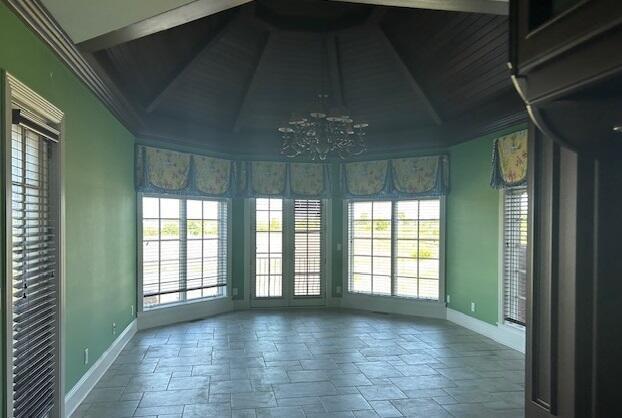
(43, 24)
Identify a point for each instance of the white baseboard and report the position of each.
(333, 302)
(189, 311)
(387, 304)
(240, 304)
(503, 334)
(81, 389)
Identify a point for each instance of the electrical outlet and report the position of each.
(448, 298)
(132, 310)
(234, 291)
(86, 356)
(338, 246)
(338, 289)
(472, 306)
(114, 328)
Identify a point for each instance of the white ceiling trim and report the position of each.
(83, 20)
(497, 7)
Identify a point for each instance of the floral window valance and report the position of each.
(509, 161)
(415, 177)
(166, 171)
(292, 180)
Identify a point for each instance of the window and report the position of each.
(394, 248)
(370, 247)
(515, 255)
(184, 254)
(307, 247)
(269, 248)
(34, 346)
(418, 248)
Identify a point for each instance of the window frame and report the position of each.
(17, 94)
(288, 271)
(394, 297)
(139, 252)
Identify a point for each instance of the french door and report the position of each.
(287, 251)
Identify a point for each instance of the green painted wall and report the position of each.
(472, 231)
(237, 247)
(99, 198)
(336, 237)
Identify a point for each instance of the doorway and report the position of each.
(288, 243)
(34, 254)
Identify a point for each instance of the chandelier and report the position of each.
(321, 133)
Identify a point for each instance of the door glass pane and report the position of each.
(268, 248)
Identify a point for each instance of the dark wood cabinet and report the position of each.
(560, 52)
(566, 59)
(570, 63)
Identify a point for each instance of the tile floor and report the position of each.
(310, 363)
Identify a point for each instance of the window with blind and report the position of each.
(34, 266)
(185, 247)
(307, 247)
(394, 248)
(269, 248)
(515, 255)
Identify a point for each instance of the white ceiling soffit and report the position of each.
(88, 19)
(497, 7)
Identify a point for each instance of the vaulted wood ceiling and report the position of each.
(421, 78)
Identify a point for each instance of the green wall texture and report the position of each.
(237, 247)
(472, 230)
(99, 198)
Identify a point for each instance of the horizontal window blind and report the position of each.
(515, 255)
(185, 245)
(34, 272)
(307, 247)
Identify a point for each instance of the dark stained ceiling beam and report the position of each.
(334, 70)
(401, 68)
(251, 87)
(495, 7)
(183, 14)
(198, 57)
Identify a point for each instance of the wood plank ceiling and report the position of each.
(421, 78)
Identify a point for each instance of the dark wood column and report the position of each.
(567, 66)
(574, 326)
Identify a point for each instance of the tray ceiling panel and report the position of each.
(420, 78)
